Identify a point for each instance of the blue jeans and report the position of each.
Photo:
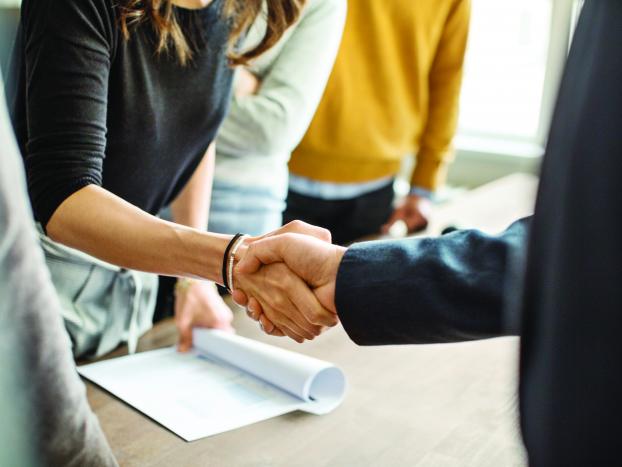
(253, 211)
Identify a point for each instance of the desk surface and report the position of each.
(438, 405)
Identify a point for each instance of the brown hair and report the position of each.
(281, 14)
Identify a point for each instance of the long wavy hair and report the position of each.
(281, 14)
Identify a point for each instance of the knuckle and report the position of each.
(297, 224)
(286, 282)
(288, 237)
(279, 302)
(316, 317)
(333, 320)
(325, 234)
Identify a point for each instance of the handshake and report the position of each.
(286, 280)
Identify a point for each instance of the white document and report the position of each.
(225, 382)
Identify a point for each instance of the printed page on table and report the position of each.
(320, 384)
(224, 383)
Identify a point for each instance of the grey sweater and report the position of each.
(37, 366)
(260, 132)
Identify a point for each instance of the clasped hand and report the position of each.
(286, 280)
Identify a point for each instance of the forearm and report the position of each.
(191, 207)
(435, 149)
(445, 81)
(431, 168)
(275, 119)
(107, 227)
(423, 291)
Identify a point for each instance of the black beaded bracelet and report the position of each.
(225, 280)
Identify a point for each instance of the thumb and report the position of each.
(300, 227)
(265, 251)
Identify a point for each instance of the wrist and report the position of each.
(331, 276)
(199, 254)
(421, 192)
(182, 285)
(230, 259)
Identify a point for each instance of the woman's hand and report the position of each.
(246, 83)
(198, 304)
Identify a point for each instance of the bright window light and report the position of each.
(505, 68)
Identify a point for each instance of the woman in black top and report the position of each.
(116, 105)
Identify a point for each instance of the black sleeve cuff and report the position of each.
(45, 205)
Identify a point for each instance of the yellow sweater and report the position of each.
(394, 90)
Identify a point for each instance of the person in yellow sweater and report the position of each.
(394, 91)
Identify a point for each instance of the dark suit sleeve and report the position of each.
(431, 290)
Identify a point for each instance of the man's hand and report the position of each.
(314, 261)
(246, 83)
(299, 227)
(286, 301)
(283, 297)
(414, 211)
(199, 305)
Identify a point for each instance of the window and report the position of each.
(514, 60)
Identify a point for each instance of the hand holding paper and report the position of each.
(198, 304)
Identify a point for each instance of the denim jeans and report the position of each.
(253, 211)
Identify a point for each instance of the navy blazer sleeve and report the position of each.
(429, 290)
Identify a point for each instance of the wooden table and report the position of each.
(435, 405)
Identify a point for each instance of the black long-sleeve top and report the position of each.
(90, 107)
